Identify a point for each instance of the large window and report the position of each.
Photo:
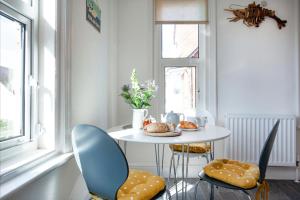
(14, 71)
(180, 53)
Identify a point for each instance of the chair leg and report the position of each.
(168, 195)
(248, 195)
(170, 170)
(212, 195)
(212, 151)
(177, 164)
(175, 173)
(207, 159)
(196, 189)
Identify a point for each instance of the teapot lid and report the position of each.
(171, 113)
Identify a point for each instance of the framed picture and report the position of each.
(93, 14)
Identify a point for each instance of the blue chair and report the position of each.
(263, 163)
(101, 161)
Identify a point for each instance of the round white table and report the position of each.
(207, 134)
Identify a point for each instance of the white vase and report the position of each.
(138, 118)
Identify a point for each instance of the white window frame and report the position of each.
(208, 66)
(27, 70)
(199, 63)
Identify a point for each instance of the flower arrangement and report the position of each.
(137, 95)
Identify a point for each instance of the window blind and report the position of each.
(181, 11)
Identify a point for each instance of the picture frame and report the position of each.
(93, 14)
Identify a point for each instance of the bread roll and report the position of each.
(158, 128)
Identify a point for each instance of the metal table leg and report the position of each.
(172, 164)
(162, 159)
(182, 168)
(157, 159)
(187, 169)
(125, 148)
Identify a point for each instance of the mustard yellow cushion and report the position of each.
(193, 148)
(244, 175)
(141, 185)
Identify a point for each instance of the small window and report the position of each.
(180, 41)
(180, 89)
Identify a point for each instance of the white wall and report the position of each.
(258, 67)
(89, 66)
(134, 50)
(135, 46)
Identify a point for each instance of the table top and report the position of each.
(207, 134)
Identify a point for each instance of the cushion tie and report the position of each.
(262, 191)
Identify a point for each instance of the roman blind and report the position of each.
(181, 11)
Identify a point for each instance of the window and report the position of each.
(180, 41)
(14, 71)
(181, 52)
(180, 84)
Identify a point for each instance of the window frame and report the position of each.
(26, 71)
(198, 63)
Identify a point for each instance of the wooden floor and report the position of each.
(279, 190)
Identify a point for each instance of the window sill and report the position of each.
(30, 173)
(9, 166)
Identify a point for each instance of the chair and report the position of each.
(196, 150)
(101, 161)
(263, 163)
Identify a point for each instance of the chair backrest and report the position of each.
(266, 151)
(100, 160)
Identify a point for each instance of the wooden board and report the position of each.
(166, 134)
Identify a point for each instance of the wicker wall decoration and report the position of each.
(254, 14)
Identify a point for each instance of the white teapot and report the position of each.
(172, 117)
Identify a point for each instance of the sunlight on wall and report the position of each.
(48, 12)
(47, 73)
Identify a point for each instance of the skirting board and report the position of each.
(277, 173)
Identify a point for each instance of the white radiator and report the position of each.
(249, 133)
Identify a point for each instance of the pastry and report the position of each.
(187, 125)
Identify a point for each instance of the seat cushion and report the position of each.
(193, 148)
(141, 185)
(243, 175)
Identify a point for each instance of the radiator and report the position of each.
(249, 133)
